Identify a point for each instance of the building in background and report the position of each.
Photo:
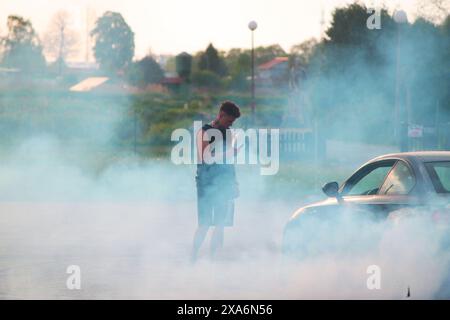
(274, 72)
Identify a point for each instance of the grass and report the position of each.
(84, 125)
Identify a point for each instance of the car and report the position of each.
(390, 188)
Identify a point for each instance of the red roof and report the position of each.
(172, 80)
(272, 63)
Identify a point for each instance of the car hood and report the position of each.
(364, 200)
(321, 203)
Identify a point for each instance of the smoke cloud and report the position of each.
(72, 194)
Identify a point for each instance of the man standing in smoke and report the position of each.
(216, 179)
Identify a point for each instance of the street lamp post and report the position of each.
(400, 18)
(252, 26)
(135, 131)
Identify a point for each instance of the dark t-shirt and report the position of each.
(217, 175)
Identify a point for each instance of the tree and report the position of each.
(206, 79)
(356, 75)
(145, 71)
(304, 51)
(171, 64)
(22, 48)
(183, 63)
(238, 61)
(211, 61)
(114, 42)
(446, 26)
(265, 54)
(348, 25)
(60, 41)
(239, 64)
(349, 37)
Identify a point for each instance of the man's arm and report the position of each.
(204, 148)
(201, 145)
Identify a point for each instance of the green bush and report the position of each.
(206, 79)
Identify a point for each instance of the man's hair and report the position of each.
(230, 108)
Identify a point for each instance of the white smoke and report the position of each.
(130, 227)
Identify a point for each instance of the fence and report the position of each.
(294, 144)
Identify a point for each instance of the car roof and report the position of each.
(424, 156)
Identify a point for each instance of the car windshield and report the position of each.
(440, 175)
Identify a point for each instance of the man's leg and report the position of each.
(217, 240)
(223, 216)
(199, 238)
(204, 218)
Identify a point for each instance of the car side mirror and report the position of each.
(331, 189)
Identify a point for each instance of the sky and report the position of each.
(173, 26)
